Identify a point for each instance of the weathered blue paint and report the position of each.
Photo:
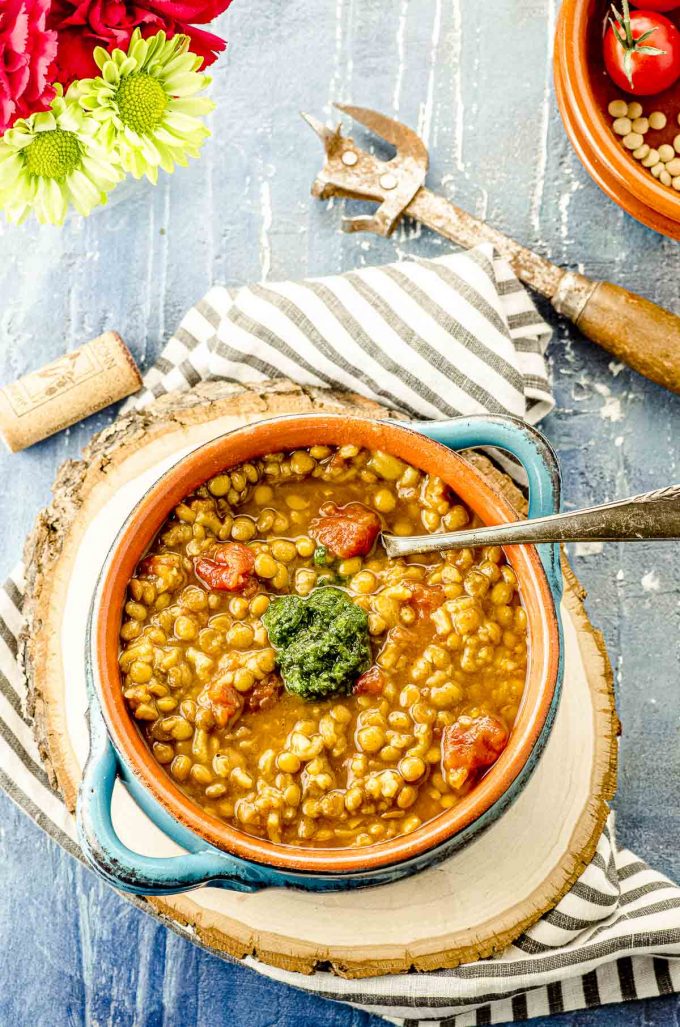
(475, 79)
(145, 875)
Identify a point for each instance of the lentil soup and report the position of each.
(297, 683)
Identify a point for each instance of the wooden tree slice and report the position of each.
(472, 905)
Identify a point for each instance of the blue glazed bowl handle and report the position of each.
(532, 450)
(114, 861)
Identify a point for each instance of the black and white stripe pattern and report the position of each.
(432, 338)
(22, 774)
(615, 936)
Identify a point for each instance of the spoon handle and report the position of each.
(652, 515)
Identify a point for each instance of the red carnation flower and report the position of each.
(84, 24)
(27, 50)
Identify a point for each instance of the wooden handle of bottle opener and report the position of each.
(631, 328)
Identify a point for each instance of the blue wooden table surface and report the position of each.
(475, 80)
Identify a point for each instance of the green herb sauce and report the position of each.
(322, 643)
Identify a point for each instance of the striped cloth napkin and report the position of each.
(432, 338)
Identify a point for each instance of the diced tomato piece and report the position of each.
(346, 530)
(426, 598)
(371, 682)
(159, 562)
(264, 694)
(473, 743)
(227, 567)
(225, 702)
(166, 568)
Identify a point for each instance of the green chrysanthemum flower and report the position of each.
(146, 104)
(53, 159)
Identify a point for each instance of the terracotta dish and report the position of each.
(584, 91)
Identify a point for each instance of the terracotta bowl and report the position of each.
(254, 862)
(584, 91)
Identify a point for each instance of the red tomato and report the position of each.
(657, 5)
(371, 682)
(473, 743)
(642, 52)
(166, 567)
(227, 567)
(159, 562)
(426, 598)
(345, 530)
(225, 703)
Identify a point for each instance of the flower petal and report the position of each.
(139, 51)
(10, 171)
(184, 84)
(50, 203)
(193, 105)
(44, 122)
(84, 194)
(110, 73)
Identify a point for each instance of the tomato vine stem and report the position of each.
(621, 23)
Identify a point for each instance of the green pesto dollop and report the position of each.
(322, 643)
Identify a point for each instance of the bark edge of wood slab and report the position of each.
(636, 331)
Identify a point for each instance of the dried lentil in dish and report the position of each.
(630, 124)
(448, 650)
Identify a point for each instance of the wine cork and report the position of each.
(78, 384)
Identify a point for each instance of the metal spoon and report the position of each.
(653, 515)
